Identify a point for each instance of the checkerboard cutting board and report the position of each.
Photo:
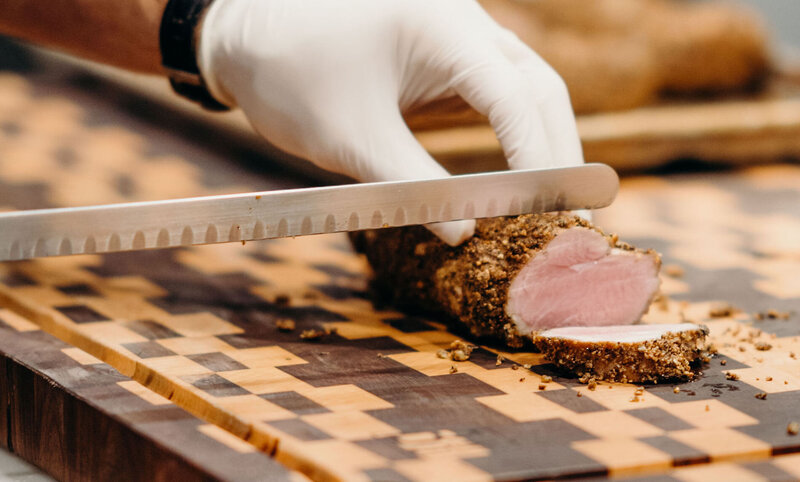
(372, 401)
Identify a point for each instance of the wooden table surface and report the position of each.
(178, 350)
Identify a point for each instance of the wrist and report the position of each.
(211, 50)
(178, 37)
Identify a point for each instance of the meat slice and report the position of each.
(638, 353)
(516, 276)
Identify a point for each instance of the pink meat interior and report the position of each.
(579, 280)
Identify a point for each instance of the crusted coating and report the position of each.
(469, 282)
(670, 357)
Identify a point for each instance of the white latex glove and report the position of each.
(327, 80)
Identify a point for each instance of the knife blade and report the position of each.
(299, 212)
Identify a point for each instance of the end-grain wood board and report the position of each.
(80, 419)
(372, 400)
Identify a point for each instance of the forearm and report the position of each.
(117, 32)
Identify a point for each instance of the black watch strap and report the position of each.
(178, 51)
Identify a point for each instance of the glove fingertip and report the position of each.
(453, 232)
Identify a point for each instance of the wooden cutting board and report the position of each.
(371, 400)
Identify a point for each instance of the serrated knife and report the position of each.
(298, 212)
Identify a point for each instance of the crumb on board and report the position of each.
(674, 271)
(244, 242)
(761, 395)
(282, 300)
(676, 390)
(542, 386)
(313, 334)
(381, 355)
(453, 369)
(708, 409)
(592, 385)
(731, 376)
(459, 351)
(547, 379)
(769, 379)
(793, 428)
(459, 355)
(762, 346)
(578, 394)
(500, 359)
(527, 366)
(723, 362)
(515, 367)
(772, 314)
(285, 324)
(721, 309)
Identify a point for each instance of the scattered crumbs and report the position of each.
(282, 300)
(723, 362)
(579, 394)
(769, 379)
(515, 367)
(761, 395)
(639, 391)
(634, 398)
(705, 358)
(547, 379)
(674, 271)
(500, 359)
(762, 346)
(385, 225)
(542, 386)
(443, 354)
(708, 409)
(742, 348)
(592, 385)
(721, 310)
(793, 428)
(258, 196)
(312, 334)
(676, 390)
(453, 369)
(527, 366)
(244, 242)
(731, 376)
(285, 324)
(381, 355)
(712, 349)
(792, 355)
(522, 379)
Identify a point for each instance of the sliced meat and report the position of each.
(635, 354)
(516, 275)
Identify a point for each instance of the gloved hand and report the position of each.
(327, 80)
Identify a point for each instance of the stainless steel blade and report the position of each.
(296, 212)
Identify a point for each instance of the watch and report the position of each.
(177, 42)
